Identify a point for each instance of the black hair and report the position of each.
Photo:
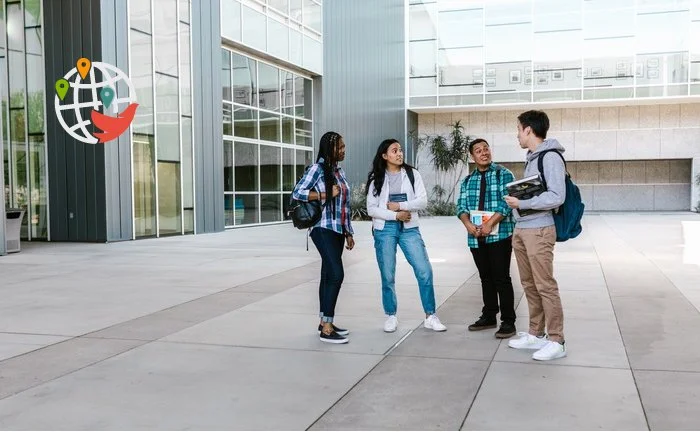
(379, 167)
(537, 120)
(477, 141)
(327, 150)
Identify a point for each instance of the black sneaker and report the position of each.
(483, 323)
(506, 330)
(333, 337)
(339, 331)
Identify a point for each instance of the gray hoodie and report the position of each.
(554, 173)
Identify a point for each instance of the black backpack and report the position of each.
(567, 218)
(305, 214)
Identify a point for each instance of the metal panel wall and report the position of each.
(364, 77)
(76, 170)
(115, 51)
(208, 116)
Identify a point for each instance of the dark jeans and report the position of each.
(493, 262)
(330, 246)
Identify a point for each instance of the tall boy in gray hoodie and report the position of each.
(534, 238)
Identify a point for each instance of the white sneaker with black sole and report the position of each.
(333, 338)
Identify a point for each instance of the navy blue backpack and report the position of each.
(567, 219)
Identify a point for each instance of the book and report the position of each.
(479, 217)
(524, 189)
(398, 198)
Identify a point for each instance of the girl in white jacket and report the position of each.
(395, 194)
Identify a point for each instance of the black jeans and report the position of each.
(493, 262)
(330, 246)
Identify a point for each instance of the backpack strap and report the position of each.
(411, 178)
(540, 164)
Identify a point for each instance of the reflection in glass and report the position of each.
(278, 37)
(226, 92)
(269, 87)
(246, 171)
(185, 82)
(304, 133)
(422, 86)
(142, 79)
(229, 210)
(169, 207)
(302, 97)
(295, 47)
(185, 11)
(464, 28)
(662, 68)
(35, 93)
(15, 27)
(461, 71)
(422, 58)
(228, 119)
(165, 36)
(422, 24)
(245, 122)
(167, 126)
(253, 28)
(288, 169)
(228, 165)
(32, 13)
(17, 77)
(269, 126)
(280, 5)
(231, 20)
(144, 185)
(313, 15)
(295, 10)
(38, 187)
(140, 17)
(287, 93)
(246, 209)
(270, 208)
(244, 80)
(287, 130)
(187, 165)
(33, 41)
(304, 159)
(270, 165)
(557, 60)
(608, 62)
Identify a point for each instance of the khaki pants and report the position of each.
(534, 252)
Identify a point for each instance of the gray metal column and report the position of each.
(364, 77)
(208, 116)
(3, 244)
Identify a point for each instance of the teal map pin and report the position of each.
(62, 87)
(106, 95)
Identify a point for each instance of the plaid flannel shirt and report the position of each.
(313, 181)
(493, 201)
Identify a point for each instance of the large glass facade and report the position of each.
(163, 167)
(267, 137)
(286, 29)
(480, 52)
(23, 108)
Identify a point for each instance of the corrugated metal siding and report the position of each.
(76, 170)
(208, 117)
(115, 51)
(364, 77)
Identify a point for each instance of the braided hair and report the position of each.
(379, 167)
(327, 151)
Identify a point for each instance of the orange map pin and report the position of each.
(83, 66)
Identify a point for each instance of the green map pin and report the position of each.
(62, 87)
(107, 94)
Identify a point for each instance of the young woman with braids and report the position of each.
(333, 230)
(395, 194)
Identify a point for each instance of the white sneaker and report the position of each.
(391, 324)
(528, 341)
(432, 322)
(552, 350)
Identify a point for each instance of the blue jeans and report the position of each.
(413, 248)
(330, 246)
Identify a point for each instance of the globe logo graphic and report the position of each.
(93, 85)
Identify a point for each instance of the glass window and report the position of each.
(269, 87)
(312, 15)
(670, 32)
(228, 165)
(32, 13)
(557, 60)
(662, 68)
(226, 90)
(695, 49)
(185, 11)
(287, 92)
(229, 210)
(295, 10)
(15, 27)
(231, 20)
(557, 15)
(457, 68)
(33, 41)
(287, 130)
(142, 79)
(270, 168)
(646, 6)
(304, 133)
(245, 158)
(280, 5)
(185, 83)
(140, 16)
(144, 185)
(422, 22)
(302, 97)
(187, 164)
(245, 122)
(39, 190)
(459, 29)
(35, 93)
(510, 12)
(506, 43)
(245, 81)
(422, 58)
(165, 36)
(507, 77)
(422, 86)
(278, 39)
(312, 54)
(246, 209)
(288, 169)
(253, 28)
(269, 126)
(169, 206)
(167, 126)
(608, 18)
(270, 208)
(304, 159)
(295, 47)
(17, 77)
(228, 119)
(608, 62)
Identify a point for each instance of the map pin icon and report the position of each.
(106, 95)
(62, 87)
(83, 66)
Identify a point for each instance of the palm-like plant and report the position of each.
(449, 159)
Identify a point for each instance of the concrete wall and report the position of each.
(623, 133)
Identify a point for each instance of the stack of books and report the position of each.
(525, 189)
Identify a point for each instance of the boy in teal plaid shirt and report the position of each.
(483, 190)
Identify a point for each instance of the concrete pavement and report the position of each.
(217, 332)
